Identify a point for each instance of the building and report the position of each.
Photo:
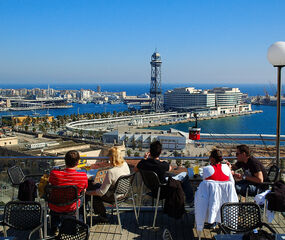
(227, 96)
(188, 97)
(142, 138)
(8, 141)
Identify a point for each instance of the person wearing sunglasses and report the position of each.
(248, 171)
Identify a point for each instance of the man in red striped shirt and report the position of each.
(68, 176)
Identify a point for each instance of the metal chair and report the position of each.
(72, 229)
(166, 235)
(272, 177)
(151, 181)
(241, 218)
(62, 196)
(17, 176)
(23, 216)
(121, 193)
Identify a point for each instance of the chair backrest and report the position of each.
(16, 175)
(124, 184)
(72, 229)
(22, 215)
(61, 195)
(240, 217)
(150, 179)
(272, 174)
(166, 235)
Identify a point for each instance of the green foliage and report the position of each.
(129, 152)
(136, 154)
(187, 164)
(178, 162)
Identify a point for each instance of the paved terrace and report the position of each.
(180, 229)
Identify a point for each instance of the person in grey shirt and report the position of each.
(105, 192)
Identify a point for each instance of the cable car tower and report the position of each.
(155, 83)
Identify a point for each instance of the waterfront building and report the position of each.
(188, 97)
(226, 96)
(142, 138)
(221, 100)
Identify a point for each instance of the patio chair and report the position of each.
(121, 193)
(241, 218)
(166, 235)
(23, 216)
(62, 196)
(72, 229)
(272, 177)
(151, 181)
(17, 176)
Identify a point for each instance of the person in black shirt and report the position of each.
(151, 162)
(253, 171)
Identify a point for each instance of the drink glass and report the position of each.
(196, 170)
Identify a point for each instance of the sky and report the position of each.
(111, 41)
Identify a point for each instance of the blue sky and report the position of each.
(111, 41)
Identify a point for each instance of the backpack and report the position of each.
(27, 190)
(42, 185)
(259, 235)
(276, 198)
(174, 201)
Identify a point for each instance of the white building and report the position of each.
(188, 97)
(144, 137)
(227, 96)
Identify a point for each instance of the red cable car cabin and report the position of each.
(194, 133)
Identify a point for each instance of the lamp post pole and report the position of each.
(278, 118)
(276, 56)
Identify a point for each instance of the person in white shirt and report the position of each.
(217, 170)
(105, 192)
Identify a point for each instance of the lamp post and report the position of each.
(276, 56)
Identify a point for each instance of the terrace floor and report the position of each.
(180, 229)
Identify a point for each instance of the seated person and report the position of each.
(254, 172)
(68, 176)
(105, 192)
(217, 171)
(216, 189)
(153, 163)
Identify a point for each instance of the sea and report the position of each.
(260, 123)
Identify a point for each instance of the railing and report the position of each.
(43, 164)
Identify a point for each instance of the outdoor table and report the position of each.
(195, 181)
(239, 237)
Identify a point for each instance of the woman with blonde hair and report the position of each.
(105, 192)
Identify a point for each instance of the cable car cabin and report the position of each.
(194, 133)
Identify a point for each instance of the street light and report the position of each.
(276, 56)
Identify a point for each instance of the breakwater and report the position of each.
(173, 121)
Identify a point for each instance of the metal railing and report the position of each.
(44, 164)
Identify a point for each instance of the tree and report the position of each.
(34, 130)
(136, 154)
(187, 164)
(26, 128)
(175, 154)
(42, 128)
(129, 152)
(134, 143)
(178, 162)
